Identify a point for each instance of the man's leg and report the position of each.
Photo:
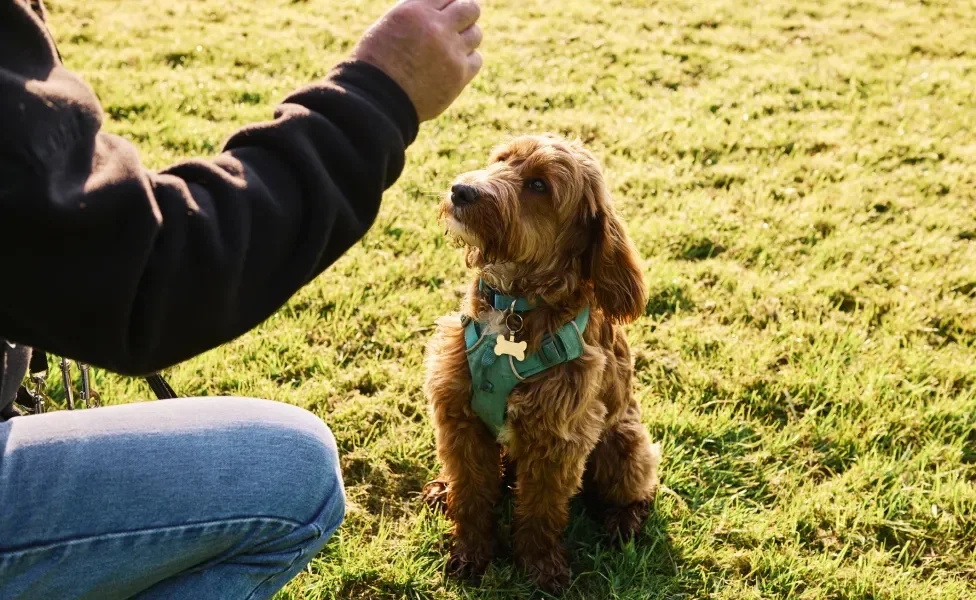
(189, 498)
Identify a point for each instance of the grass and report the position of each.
(799, 177)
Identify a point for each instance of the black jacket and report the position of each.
(133, 270)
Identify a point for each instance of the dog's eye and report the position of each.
(536, 185)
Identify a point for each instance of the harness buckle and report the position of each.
(66, 380)
(37, 394)
(551, 352)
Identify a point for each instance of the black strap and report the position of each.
(160, 387)
(38, 362)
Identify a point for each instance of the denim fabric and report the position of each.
(186, 499)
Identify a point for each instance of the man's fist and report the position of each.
(429, 48)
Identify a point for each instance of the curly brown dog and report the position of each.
(539, 231)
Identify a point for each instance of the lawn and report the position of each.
(800, 178)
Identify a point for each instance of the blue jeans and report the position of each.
(185, 499)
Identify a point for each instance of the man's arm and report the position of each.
(135, 271)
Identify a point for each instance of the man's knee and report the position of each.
(297, 461)
(327, 492)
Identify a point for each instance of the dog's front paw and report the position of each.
(550, 572)
(434, 495)
(469, 561)
(624, 522)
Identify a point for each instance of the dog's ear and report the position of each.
(611, 262)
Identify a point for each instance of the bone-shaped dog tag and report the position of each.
(510, 347)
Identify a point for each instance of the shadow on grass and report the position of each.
(646, 568)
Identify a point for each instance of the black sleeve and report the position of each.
(135, 271)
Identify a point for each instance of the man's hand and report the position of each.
(429, 48)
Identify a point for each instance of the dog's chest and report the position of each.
(497, 368)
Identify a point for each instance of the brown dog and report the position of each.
(538, 224)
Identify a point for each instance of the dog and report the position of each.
(554, 276)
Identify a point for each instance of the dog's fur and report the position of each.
(574, 425)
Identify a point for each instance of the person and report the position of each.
(135, 271)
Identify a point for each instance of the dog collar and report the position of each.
(502, 302)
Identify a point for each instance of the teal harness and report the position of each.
(493, 377)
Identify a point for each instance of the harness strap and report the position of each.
(565, 346)
(501, 301)
(494, 377)
(471, 331)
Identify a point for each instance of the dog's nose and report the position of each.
(463, 194)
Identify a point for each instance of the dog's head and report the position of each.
(542, 209)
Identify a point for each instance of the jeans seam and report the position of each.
(318, 535)
(68, 542)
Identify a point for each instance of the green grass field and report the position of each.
(800, 177)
